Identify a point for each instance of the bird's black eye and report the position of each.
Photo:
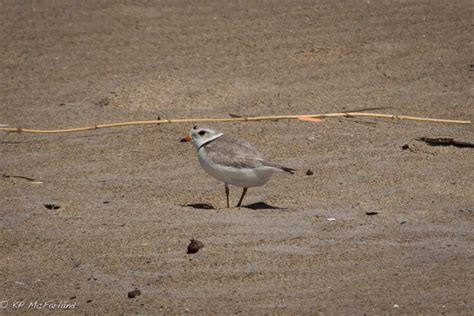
(202, 133)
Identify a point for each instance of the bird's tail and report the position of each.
(289, 170)
(281, 168)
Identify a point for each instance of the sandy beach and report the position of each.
(383, 225)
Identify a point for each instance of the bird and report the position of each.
(231, 160)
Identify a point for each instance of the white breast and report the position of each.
(242, 177)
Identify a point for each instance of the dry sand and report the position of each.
(123, 222)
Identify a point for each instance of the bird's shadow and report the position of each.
(253, 206)
(262, 206)
(200, 206)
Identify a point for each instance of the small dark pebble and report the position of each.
(405, 147)
(72, 298)
(309, 172)
(371, 213)
(51, 206)
(88, 301)
(194, 246)
(103, 102)
(403, 222)
(106, 202)
(134, 293)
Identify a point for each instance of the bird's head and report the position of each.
(199, 136)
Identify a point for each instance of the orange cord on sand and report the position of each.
(309, 119)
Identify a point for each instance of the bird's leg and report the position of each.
(242, 197)
(227, 194)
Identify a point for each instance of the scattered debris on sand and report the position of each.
(445, 141)
(134, 293)
(194, 246)
(52, 206)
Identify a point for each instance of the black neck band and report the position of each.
(208, 142)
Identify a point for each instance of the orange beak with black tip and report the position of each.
(186, 139)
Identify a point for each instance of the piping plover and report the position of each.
(232, 161)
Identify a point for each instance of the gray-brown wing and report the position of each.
(233, 153)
